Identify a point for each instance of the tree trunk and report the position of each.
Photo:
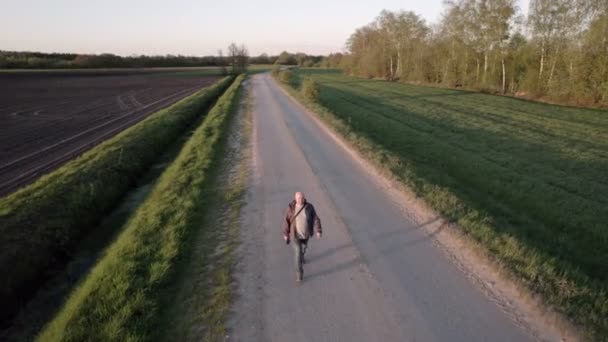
(390, 77)
(504, 76)
(542, 63)
(453, 57)
(485, 67)
(399, 71)
(385, 51)
(512, 84)
(553, 67)
(466, 67)
(447, 70)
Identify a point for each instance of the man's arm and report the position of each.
(316, 221)
(286, 224)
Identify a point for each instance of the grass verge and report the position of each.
(122, 298)
(204, 281)
(40, 223)
(525, 180)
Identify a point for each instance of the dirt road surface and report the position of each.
(376, 274)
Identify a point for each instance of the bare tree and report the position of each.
(238, 57)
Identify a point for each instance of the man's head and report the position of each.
(299, 197)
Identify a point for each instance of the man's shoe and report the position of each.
(299, 277)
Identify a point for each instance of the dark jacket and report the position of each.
(314, 222)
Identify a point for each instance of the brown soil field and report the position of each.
(49, 118)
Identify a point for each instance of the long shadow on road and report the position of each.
(394, 235)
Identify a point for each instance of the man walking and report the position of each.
(302, 219)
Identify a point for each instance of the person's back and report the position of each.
(301, 218)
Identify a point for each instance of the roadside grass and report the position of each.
(123, 296)
(527, 180)
(41, 223)
(204, 285)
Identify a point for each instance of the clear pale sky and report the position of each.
(191, 27)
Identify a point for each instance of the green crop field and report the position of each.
(527, 180)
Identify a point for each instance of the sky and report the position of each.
(192, 27)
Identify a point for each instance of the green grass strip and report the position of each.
(122, 297)
(40, 224)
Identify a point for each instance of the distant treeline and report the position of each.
(40, 60)
(286, 58)
(558, 52)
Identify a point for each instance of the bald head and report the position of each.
(299, 197)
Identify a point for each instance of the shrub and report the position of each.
(275, 71)
(310, 89)
(286, 76)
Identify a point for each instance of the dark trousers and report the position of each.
(299, 247)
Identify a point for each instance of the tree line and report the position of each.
(559, 51)
(40, 60)
(236, 55)
(286, 58)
